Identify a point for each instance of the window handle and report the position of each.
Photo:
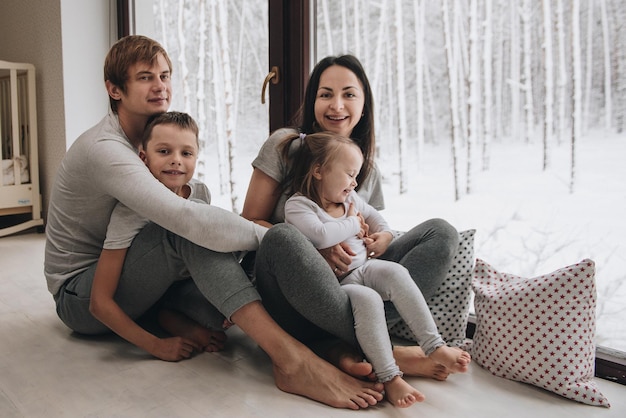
(274, 76)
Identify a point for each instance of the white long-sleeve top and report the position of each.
(326, 231)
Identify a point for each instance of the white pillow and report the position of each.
(450, 304)
(539, 330)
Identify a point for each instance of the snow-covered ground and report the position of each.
(527, 221)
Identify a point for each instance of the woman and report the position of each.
(299, 289)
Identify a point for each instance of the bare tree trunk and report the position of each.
(576, 84)
(608, 105)
(562, 70)
(548, 123)
(200, 89)
(474, 93)
(487, 84)
(401, 94)
(529, 107)
(620, 48)
(514, 74)
(589, 67)
(182, 60)
(452, 85)
(418, 10)
(218, 94)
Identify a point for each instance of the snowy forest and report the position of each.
(461, 88)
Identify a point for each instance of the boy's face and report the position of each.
(171, 154)
(148, 89)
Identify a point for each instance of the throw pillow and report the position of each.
(539, 330)
(450, 304)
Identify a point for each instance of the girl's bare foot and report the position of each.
(454, 359)
(181, 326)
(399, 393)
(413, 362)
(347, 359)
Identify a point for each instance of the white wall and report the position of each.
(87, 30)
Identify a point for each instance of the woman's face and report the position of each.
(340, 100)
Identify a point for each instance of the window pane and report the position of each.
(219, 53)
(506, 168)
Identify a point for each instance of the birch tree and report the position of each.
(200, 89)
(474, 92)
(514, 82)
(418, 13)
(529, 108)
(487, 83)
(562, 69)
(576, 89)
(589, 66)
(401, 92)
(452, 85)
(608, 104)
(218, 95)
(548, 123)
(182, 60)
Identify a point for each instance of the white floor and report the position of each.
(46, 370)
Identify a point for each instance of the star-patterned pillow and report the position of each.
(450, 304)
(539, 330)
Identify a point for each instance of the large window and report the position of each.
(504, 119)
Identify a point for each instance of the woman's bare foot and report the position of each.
(401, 394)
(181, 326)
(413, 362)
(453, 359)
(321, 381)
(347, 359)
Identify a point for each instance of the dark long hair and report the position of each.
(363, 133)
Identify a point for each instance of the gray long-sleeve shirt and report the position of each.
(102, 168)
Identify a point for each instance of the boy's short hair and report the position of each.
(179, 119)
(126, 52)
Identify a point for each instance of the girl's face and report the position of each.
(340, 100)
(171, 155)
(338, 178)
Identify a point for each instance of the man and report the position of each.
(101, 169)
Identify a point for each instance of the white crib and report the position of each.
(19, 174)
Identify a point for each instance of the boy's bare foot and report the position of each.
(454, 359)
(413, 362)
(347, 359)
(319, 380)
(401, 394)
(180, 325)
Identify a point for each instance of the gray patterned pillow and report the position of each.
(451, 303)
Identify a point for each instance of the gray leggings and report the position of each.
(163, 268)
(304, 297)
(367, 287)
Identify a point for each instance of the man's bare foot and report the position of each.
(347, 359)
(181, 326)
(453, 359)
(413, 362)
(401, 394)
(319, 380)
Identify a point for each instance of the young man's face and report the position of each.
(171, 155)
(148, 89)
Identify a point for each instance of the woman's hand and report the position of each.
(338, 257)
(377, 243)
(174, 348)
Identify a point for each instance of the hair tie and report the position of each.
(302, 136)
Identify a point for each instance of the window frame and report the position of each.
(291, 25)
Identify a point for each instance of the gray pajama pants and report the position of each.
(161, 267)
(367, 287)
(304, 297)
